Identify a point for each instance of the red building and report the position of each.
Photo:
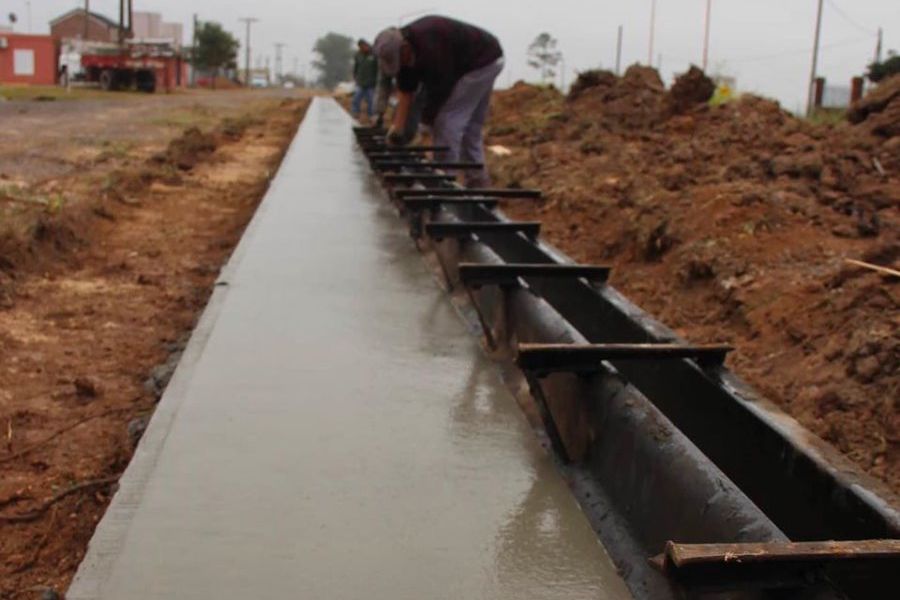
(80, 25)
(28, 59)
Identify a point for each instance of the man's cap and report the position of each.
(362, 41)
(387, 49)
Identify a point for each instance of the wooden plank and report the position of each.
(871, 267)
(863, 569)
(681, 555)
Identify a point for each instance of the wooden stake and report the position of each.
(871, 267)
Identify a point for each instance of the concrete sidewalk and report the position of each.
(334, 432)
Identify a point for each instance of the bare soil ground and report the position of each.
(115, 217)
(732, 223)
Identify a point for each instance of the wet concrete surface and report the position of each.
(337, 432)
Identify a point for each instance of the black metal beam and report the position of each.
(417, 203)
(476, 275)
(392, 154)
(569, 358)
(464, 192)
(393, 165)
(408, 177)
(440, 231)
(383, 147)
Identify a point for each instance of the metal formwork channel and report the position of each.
(670, 455)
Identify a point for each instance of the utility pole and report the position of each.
(278, 47)
(87, 17)
(706, 35)
(121, 21)
(248, 21)
(815, 62)
(652, 32)
(619, 53)
(878, 45)
(562, 75)
(194, 52)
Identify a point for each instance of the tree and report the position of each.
(216, 48)
(886, 68)
(335, 62)
(543, 56)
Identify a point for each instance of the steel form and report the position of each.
(615, 351)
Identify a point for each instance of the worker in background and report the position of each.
(455, 64)
(365, 74)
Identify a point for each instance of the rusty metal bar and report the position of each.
(440, 231)
(472, 192)
(725, 567)
(476, 275)
(587, 357)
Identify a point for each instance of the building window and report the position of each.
(23, 62)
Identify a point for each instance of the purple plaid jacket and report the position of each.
(445, 50)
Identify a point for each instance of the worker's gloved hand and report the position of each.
(396, 137)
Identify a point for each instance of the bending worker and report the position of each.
(455, 65)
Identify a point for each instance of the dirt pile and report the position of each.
(634, 101)
(188, 149)
(592, 79)
(731, 223)
(879, 111)
(689, 90)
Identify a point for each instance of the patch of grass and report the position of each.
(827, 116)
(234, 127)
(51, 93)
(51, 203)
(114, 150)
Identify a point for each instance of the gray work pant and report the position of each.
(460, 121)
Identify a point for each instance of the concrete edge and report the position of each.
(109, 536)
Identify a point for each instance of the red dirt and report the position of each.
(732, 224)
(95, 298)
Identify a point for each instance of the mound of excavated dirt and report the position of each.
(634, 101)
(731, 224)
(191, 147)
(689, 90)
(592, 79)
(879, 111)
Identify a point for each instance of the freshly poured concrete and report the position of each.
(339, 435)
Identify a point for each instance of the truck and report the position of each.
(141, 65)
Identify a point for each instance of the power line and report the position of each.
(849, 19)
(761, 57)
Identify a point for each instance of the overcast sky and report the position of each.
(766, 44)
